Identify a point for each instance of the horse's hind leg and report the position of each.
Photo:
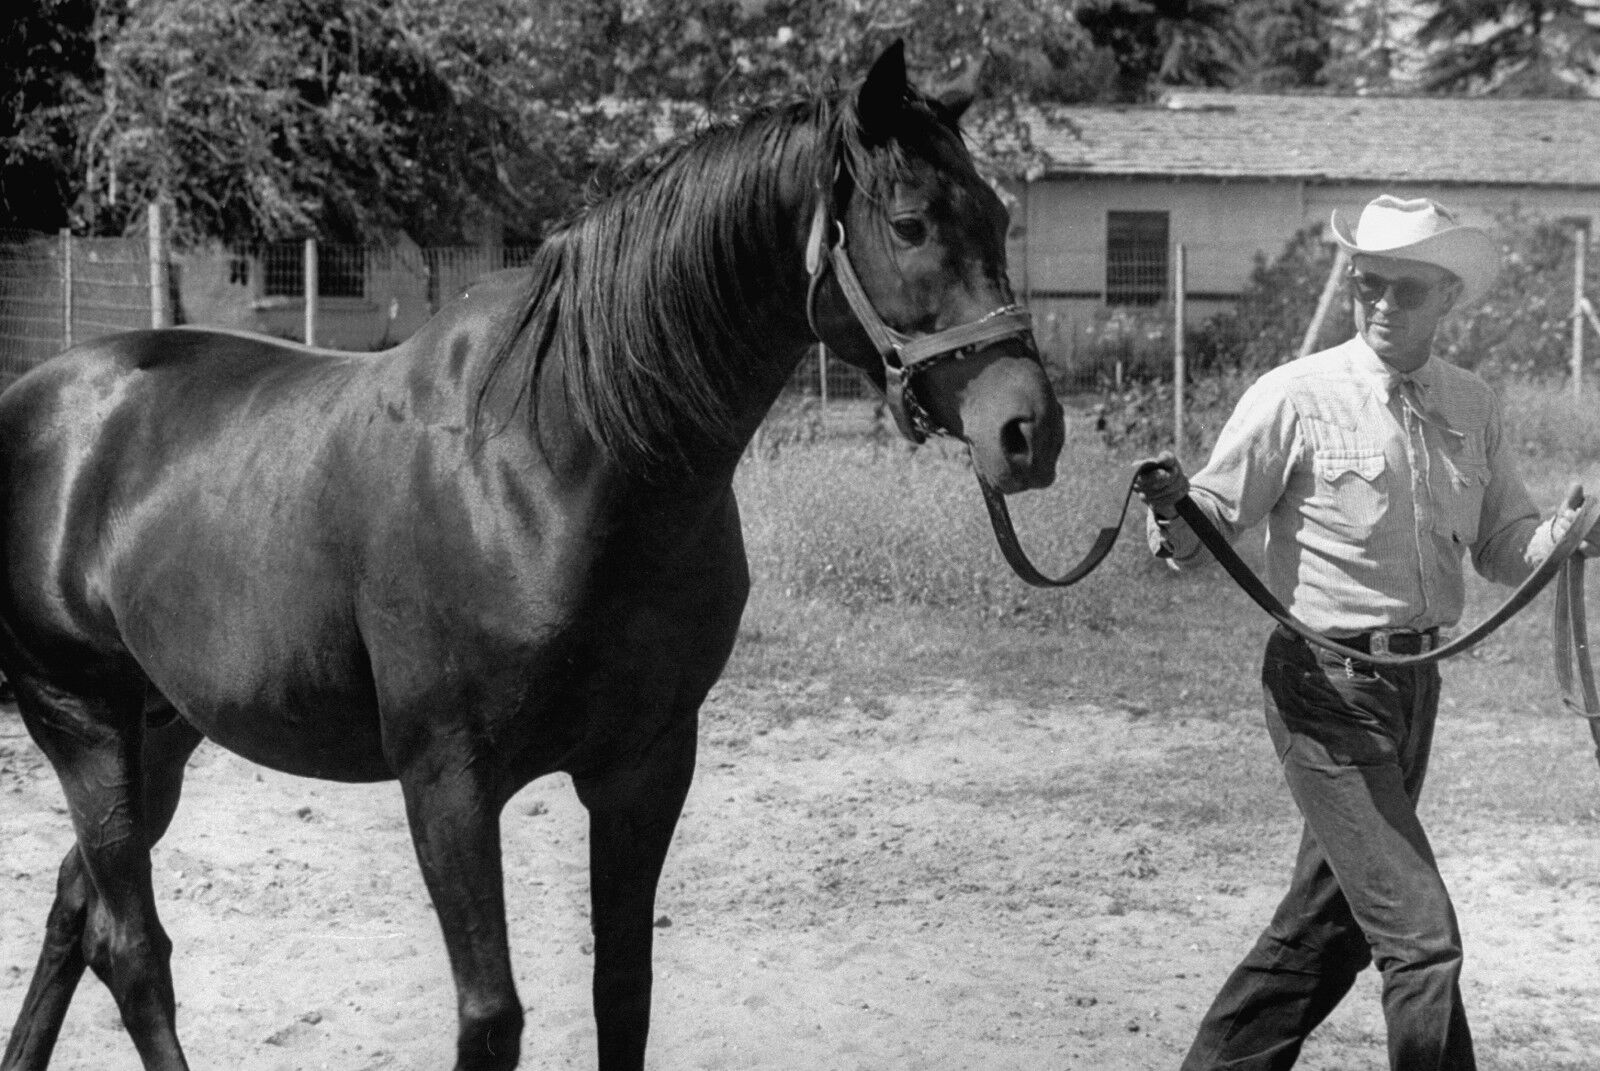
(104, 915)
(56, 975)
(632, 814)
(61, 960)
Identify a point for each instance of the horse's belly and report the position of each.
(311, 741)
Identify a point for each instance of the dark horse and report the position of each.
(505, 548)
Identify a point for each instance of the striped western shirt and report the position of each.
(1373, 489)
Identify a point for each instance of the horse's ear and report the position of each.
(883, 95)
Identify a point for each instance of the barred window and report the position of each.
(1136, 258)
(341, 270)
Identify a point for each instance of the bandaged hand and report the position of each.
(1565, 514)
(1159, 482)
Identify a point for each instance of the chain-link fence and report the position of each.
(57, 289)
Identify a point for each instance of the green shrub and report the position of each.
(1138, 419)
(1268, 325)
(1522, 327)
(1138, 338)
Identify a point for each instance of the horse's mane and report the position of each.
(649, 298)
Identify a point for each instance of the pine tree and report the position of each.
(1291, 42)
(1512, 47)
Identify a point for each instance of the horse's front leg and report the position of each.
(455, 826)
(632, 814)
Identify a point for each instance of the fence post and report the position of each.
(66, 288)
(822, 381)
(1324, 303)
(1180, 285)
(158, 268)
(1580, 243)
(310, 276)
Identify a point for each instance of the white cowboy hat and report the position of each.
(1424, 230)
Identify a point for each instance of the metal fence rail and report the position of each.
(452, 268)
(110, 286)
(30, 300)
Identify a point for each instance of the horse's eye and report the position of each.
(911, 229)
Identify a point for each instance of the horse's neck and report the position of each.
(730, 297)
(569, 449)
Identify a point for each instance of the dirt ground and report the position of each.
(916, 882)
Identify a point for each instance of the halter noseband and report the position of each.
(903, 355)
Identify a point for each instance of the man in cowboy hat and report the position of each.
(1376, 469)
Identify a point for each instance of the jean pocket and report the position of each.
(1336, 717)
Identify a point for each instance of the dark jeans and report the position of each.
(1354, 748)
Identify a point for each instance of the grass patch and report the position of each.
(1552, 427)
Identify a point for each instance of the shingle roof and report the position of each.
(1388, 139)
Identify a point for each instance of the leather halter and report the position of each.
(903, 355)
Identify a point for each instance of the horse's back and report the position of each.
(115, 453)
(170, 504)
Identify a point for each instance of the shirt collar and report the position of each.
(1383, 378)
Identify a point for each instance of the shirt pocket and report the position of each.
(1459, 495)
(1352, 488)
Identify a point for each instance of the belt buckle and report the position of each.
(1380, 641)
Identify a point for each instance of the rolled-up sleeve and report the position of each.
(1246, 475)
(1512, 541)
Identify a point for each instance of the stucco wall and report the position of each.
(220, 288)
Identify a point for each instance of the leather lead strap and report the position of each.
(1235, 567)
(1005, 534)
(1574, 667)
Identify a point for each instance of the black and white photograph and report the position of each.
(858, 535)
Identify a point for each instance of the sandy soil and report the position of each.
(918, 882)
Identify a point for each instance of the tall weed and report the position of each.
(1550, 425)
(865, 526)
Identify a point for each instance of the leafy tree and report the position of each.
(250, 120)
(1159, 43)
(270, 118)
(1512, 47)
(1373, 47)
(49, 71)
(259, 119)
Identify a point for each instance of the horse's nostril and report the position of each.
(1016, 439)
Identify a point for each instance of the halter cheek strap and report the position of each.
(903, 355)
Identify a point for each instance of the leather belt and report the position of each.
(1384, 641)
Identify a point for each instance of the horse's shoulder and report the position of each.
(478, 313)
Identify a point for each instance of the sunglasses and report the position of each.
(1404, 293)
